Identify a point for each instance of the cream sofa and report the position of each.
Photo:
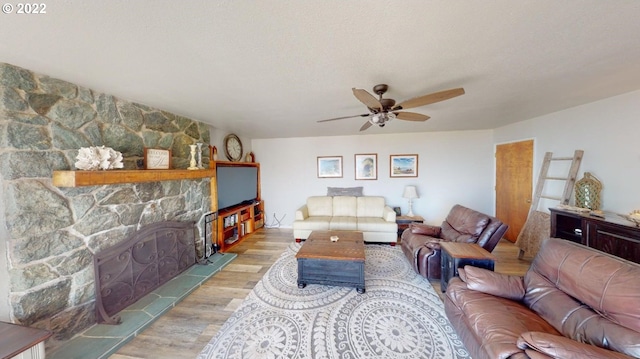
(368, 214)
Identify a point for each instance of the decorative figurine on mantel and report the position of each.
(199, 144)
(192, 163)
(98, 158)
(214, 153)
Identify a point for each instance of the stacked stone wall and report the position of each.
(52, 233)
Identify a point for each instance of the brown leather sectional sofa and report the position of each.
(421, 242)
(574, 302)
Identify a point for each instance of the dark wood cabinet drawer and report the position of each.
(619, 241)
(611, 234)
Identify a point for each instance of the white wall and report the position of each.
(453, 167)
(609, 133)
(217, 140)
(458, 167)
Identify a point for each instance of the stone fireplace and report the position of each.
(49, 234)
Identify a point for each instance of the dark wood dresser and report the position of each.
(611, 234)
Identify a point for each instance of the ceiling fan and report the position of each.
(382, 110)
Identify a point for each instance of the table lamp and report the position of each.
(410, 193)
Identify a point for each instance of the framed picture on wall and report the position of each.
(366, 166)
(403, 165)
(329, 166)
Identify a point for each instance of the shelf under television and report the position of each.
(250, 224)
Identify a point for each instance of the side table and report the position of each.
(404, 221)
(17, 341)
(457, 255)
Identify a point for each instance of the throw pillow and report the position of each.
(344, 191)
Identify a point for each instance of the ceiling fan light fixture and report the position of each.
(381, 118)
(381, 110)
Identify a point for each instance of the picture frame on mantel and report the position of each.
(403, 165)
(329, 166)
(366, 166)
(157, 159)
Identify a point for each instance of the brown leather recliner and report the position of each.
(421, 242)
(574, 302)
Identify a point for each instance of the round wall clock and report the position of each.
(233, 148)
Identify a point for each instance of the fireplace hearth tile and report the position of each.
(179, 287)
(102, 340)
(84, 347)
(201, 270)
(132, 321)
(144, 302)
(160, 306)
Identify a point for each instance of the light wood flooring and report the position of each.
(187, 328)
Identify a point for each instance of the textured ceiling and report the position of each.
(266, 69)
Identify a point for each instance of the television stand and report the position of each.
(230, 241)
(237, 222)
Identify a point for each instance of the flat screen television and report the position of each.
(236, 185)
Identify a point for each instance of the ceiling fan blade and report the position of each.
(430, 98)
(365, 126)
(366, 98)
(411, 116)
(342, 118)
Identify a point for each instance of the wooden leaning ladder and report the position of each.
(570, 181)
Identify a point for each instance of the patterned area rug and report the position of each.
(399, 316)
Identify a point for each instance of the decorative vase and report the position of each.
(192, 163)
(587, 191)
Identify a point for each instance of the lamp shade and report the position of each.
(410, 192)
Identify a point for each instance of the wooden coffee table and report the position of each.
(341, 263)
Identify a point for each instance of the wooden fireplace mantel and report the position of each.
(97, 178)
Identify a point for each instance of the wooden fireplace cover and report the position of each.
(147, 259)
